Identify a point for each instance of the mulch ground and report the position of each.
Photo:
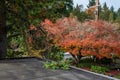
(109, 73)
(113, 72)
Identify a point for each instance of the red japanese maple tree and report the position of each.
(90, 38)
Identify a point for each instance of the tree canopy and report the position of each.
(17, 15)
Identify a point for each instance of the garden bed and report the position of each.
(99, 67)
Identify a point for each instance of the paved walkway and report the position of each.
(32, 69)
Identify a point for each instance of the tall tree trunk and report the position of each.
(3, 32)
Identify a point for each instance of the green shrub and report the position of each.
(82, 65)
(58, 56)
(11, 53)
(57, 65)
(51, 65)
(99, 69)
(86, 63)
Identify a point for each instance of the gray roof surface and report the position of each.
(32, 69)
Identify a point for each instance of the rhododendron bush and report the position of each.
(90, 38)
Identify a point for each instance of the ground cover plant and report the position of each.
(57, 61)
(65, 65)
(107, 68)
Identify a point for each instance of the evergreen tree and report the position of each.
(78, 11)
(111, 17)
(112, 14)
(104, 15)
(112, 9)
(91, 3)
(17, 15)
(118, 16)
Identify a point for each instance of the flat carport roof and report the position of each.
(32, 69)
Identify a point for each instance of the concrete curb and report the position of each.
(93, 73)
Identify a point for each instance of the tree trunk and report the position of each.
(3, 32)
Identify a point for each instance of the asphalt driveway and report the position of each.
(32, 69)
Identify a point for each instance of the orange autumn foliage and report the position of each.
(88, 39)
(91, 10)
(32, 27)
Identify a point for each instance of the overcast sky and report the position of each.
(115, 3)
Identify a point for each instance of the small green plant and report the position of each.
(56, 56)
(57, 65)
(99, 69)
(12, 53)
(16, 47)
(64, 65)
(51, 65)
